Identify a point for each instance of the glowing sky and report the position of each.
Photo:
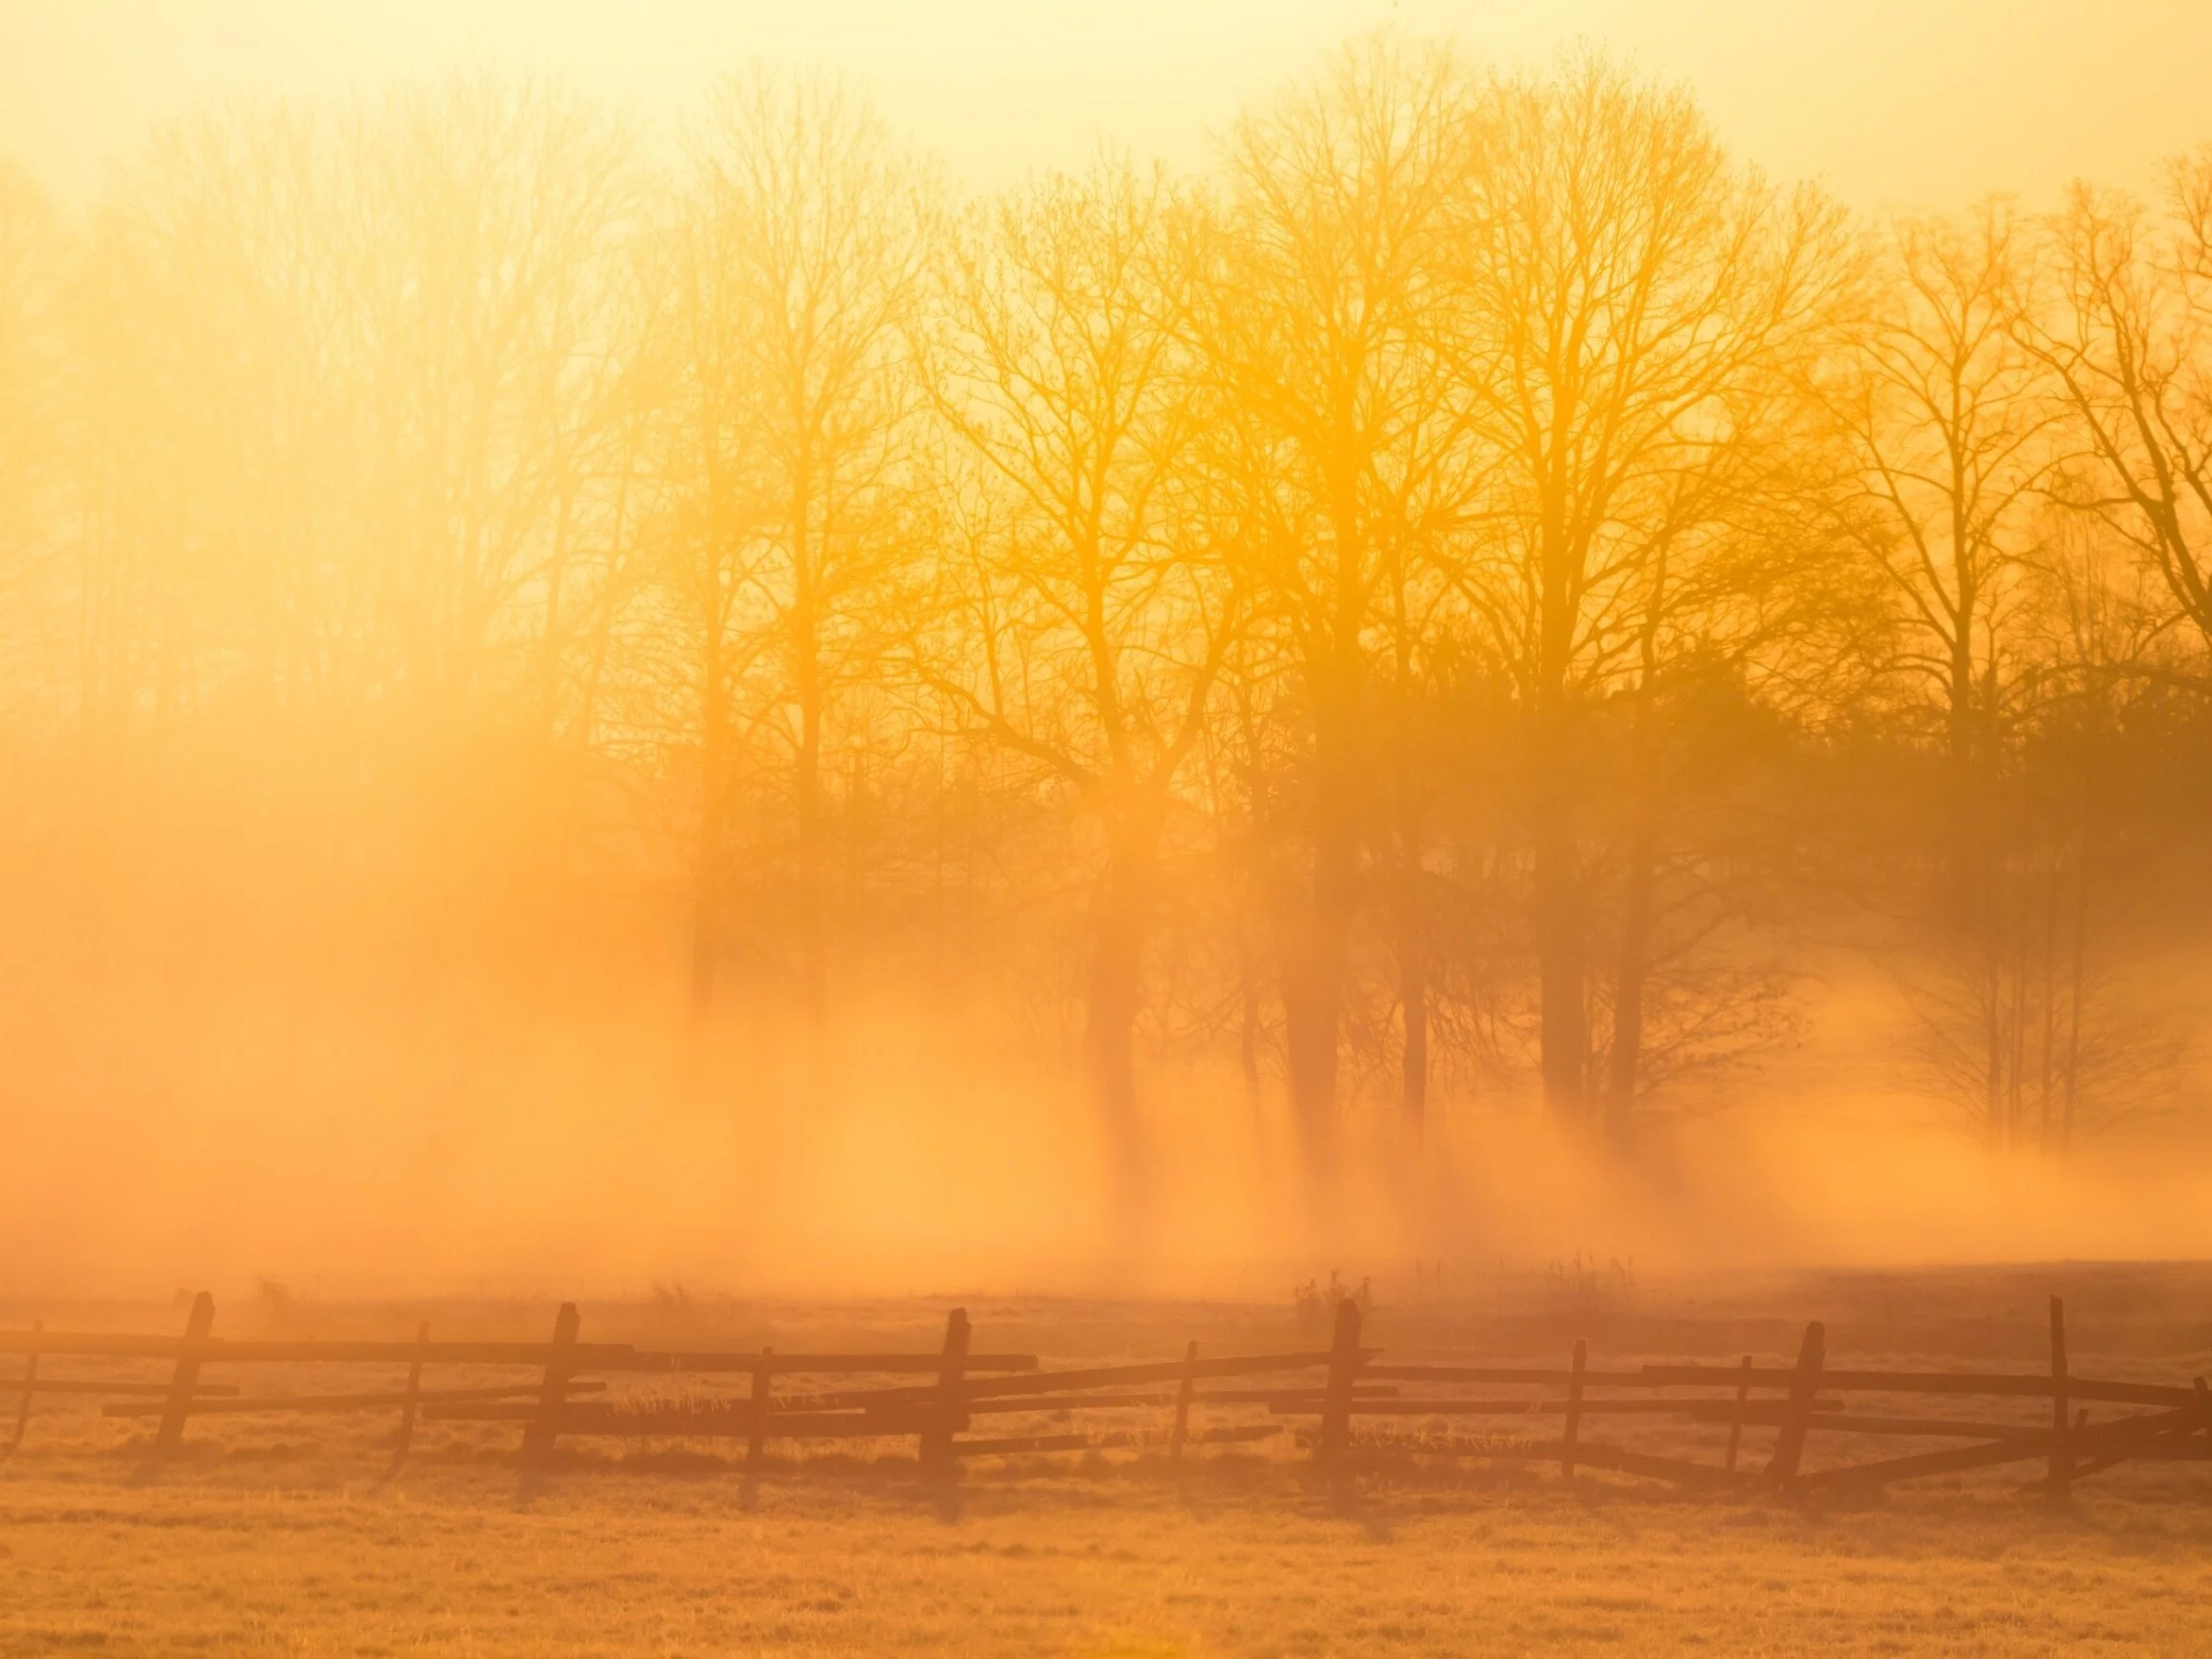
(1907, 102)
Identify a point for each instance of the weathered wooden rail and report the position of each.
(798, 1396)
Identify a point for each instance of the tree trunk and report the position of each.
(1248, 1008)
(549, 639)
(806, 676)
(1560, 967)
(604, 622)
(1563, 1024)
(813, 970)
(1309, 1007)
(1114, 998)
(1413, 1064)
(1412, 992)
(2078, 942)
(1976, 903)
(1628, 994)
(2047, 962)
(1994, 1038)
(714, 790)
(1313, 965)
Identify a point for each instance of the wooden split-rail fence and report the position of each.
(1340, 1399)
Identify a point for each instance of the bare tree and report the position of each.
(491, 217)
(1622, 293)
(825, 225)
(1427, 599)
(1951, 435)
(1322, 319)
(705, 539)
(1093, 619)
(2129, 343)
(209, 436)
(2047, 1018)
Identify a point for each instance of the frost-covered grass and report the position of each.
(281, 1548)
(273, 1534)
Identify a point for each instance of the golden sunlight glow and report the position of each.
(1894, 102)
(1105, 827)
(1141, 636)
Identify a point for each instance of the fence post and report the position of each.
(757, 1439)
(1335, 1438)
(414, 1400)
(186, 1378)
(1573, 1430)
(1736, 1423)
(537, 1439)
(31, 1384)
(1797, 1415)
(2061, 1481)
(1183, 1389)
(937, 1440)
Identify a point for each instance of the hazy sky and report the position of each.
(1905, 102)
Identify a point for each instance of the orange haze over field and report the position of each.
(1150, 646)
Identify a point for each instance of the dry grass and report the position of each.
(271, 1536)
(269, 1550)
(623, 1562)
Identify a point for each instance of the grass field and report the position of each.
(273, 1536)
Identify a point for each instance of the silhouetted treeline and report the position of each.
(1479, 589)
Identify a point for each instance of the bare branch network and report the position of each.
(1477, 589)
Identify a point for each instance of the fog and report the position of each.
(607, 687)
(1919, 105)
(574, 1132)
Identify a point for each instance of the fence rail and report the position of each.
(1337, 1388)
